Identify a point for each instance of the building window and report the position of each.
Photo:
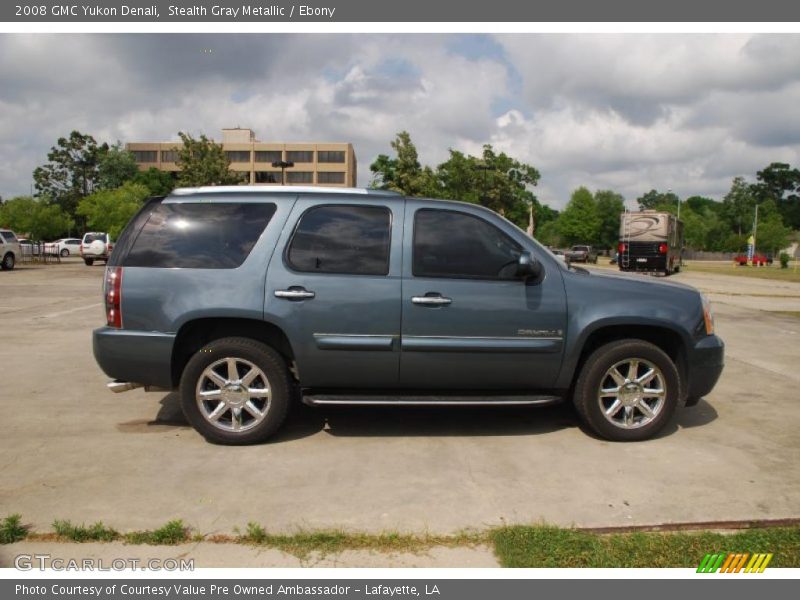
(169, 156)
(330, 177)
(269, 156)
(299, 177)
(330, 156)
(145, 156)
(238, 155)
(300, 156)
(268, 177)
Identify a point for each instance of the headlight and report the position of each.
(708, 315)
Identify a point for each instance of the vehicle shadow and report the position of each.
(435, 421)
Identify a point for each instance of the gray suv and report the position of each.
(245, 298)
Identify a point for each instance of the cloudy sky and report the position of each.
(625, 112)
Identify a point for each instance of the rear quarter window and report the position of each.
(199, 236)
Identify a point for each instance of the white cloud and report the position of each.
(626, 112)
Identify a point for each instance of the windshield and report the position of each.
(93, 237)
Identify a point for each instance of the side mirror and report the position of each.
(528, 267)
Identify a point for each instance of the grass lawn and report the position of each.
(543, 546)
(515, 546)
(728, 268)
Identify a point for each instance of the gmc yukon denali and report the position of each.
(247, 298)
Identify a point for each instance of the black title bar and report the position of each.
(546, 11)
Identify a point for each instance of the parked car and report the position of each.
(95, 246)
(65, 247)
(29, 247)
(759, 259)
(244, 298)
(581, 253)
(559, 254)
(10, 250)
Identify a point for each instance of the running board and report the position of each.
(400, 400)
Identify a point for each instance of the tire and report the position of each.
(596, 375)
(64, 253)
(8, 262)
(236, 422)
(89, 261)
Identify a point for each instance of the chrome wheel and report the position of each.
(233, 394)
(632, 393)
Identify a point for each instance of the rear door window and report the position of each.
(350, 240)
(199, 236)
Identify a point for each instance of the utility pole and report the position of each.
(755, 229)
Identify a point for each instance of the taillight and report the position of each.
(662, 248)
(622, 247)
(113, 289)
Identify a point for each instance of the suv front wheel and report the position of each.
(8, 262)
(628, 390)
(235, 391)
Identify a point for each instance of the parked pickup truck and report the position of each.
(583, 254)
(247, 298)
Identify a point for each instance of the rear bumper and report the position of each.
(705, 363)
(644, 263)
(135, 356)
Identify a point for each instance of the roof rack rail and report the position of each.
(280, 189)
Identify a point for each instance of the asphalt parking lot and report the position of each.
(72, 450)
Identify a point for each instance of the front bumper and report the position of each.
(705, 363)
(143, 357)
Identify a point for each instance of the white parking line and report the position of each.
(71, 310)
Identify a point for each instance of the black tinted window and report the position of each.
(342, 239)
(458, 245)
(200, 236)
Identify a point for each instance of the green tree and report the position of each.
(547, 233)
(36, 217)
(493, 179)
(580, 223)
(771, 234)
(403, 173)
(160, 183)
(115, 167)
(781, 183)
(701, 204)
(203, 162)
(110, 210)
(610, 205)
(505, 183)
(738, 206)
(655, 199)
(71, 172)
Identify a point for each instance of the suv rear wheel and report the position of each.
(235, 391)
(628, 390)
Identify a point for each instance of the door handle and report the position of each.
(294, 294)
(431, 300)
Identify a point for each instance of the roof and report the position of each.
(279, 189)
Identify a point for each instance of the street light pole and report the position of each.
(282, 165)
